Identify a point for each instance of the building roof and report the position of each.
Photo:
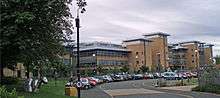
(100, 45)
(209, 45)
(187, 42)
(138, 39)
(156, 33)
(179, 47)
(103, 48)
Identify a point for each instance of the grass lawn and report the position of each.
(48, 91)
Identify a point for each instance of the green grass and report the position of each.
(48, 91)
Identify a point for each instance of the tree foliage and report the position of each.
(32, 30)
(125, 69)
(144, 69)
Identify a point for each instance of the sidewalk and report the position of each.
(180, 88)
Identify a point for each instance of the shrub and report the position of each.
(208, 88)
(5, 94)
(9, 80)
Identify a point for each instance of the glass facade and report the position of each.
(111, 57)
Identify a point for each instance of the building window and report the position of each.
(192, 55)
(137, 62)
(136, 53)
(142, 53)
(192, 61)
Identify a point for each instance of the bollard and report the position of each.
(71, 91)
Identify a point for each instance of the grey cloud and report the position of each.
(116, 20)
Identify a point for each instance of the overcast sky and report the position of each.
(185, 20)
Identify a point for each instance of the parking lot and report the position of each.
(139, 89)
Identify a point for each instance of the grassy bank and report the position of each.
(46, 91)
(208, 88)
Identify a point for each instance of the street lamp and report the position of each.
(159, 69)
(94, 55)
(81, 7)
(197, 65)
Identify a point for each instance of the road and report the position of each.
(139, 89)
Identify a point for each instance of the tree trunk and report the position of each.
(27, 64)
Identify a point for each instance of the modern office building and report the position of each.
(177, 57)
(150, 51)
(196, 54)
(105, 55)
(159, 49)
(140, 53)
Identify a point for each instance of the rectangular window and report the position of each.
(137, 62)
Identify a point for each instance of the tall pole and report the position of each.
(145, 53)
(77, 64)
(159, 68)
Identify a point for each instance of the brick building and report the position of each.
(140, 54)
(197, 54)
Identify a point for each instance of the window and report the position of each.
(137, 62)
(192, 55)
(136, 53)
(193, 61)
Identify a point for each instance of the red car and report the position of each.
(92, 82)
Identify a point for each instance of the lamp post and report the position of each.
(94, 56)
(81, 7)
(159, 69)
(197, 65)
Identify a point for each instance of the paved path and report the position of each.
(180, 88)
(141, 89)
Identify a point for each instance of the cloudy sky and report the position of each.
(117, 20)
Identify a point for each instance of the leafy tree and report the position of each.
(217, 60)
(125, 69)
(144, 69)
(99, 69)
(32, 31)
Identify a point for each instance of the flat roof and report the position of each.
(137, 39)
(191, 42)
(156, 33)
(103, 48)
(209, 45)
(179, 47)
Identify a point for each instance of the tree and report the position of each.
(32, 31)
(125, 69)
(144, 69)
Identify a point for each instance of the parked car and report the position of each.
(148, 76)
(101, 79)
(181, 75)
(107, 78)
(98, 81)
(138, 76)
(170, 76)
(92, 82)
(117, 77)
(157, 75)
(85, 83)
(194, 74)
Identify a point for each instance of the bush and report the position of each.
(5, 94)
(208, 88)
(9, 80)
